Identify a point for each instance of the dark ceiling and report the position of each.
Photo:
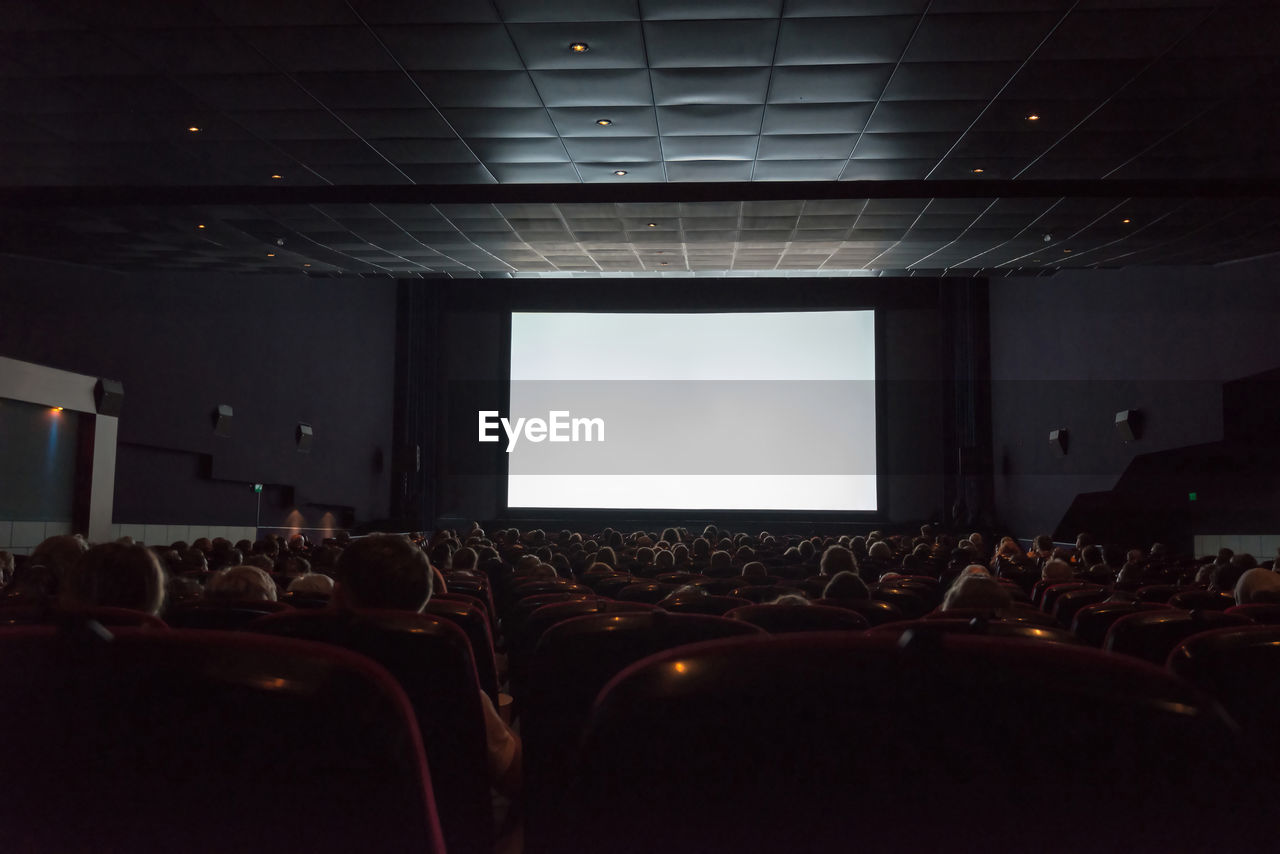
(466, 137)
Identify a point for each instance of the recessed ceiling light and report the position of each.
(201, 225)
(306, 265)
(1068, 251)
(193, 129)
(619, 172)
(664, 263)
(1033, 117)
(979, 171)
(604, 123)
(271, 254)
(1126, 220)
(579, 47)
(276, 177)
(653, 225)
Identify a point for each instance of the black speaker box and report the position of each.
(222, 420)
(1058, 441)
(1129, 425)
(304, 437)
(108, 397)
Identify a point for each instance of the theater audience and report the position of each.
(115, 575)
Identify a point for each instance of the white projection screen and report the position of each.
(767, 411)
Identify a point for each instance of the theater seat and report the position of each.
(573, 661)
(874, 610)
(1202, 600)
(1267, 614)
(1238, 666)
(1152, 635)
(1092, 621)
(470, 617)
(1066, 605)
(857, 742)
(785, 619)
(909, 602)
(133, 740)
(1017, 613)
(214, 614)
(650, 592)
(431, 659)
(697, 603)
(940, 623)
(1051, 593)
(44, 616)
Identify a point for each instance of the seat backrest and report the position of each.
(475, 625)
(1051, 593)
(843, 741)
(1155, 592)
(1066, 605)
(874, 610)
(572, 662)
(909, 602)
(986, 625)
(650, 592)
(1262, 613)
(1091, 622)
(1152, 635)
(136, 740)
(698, 603)
(1203, 600)
(431, 659)
(761, 593)
(1238, 666)
(215, 614)
(784, 619)
(33, 615)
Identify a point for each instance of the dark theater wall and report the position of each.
(278, 349)
(1073, 349)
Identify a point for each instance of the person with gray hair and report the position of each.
(837, 559)
(1257, 586)
(976, 590)
(1056, 572)
(241, 583)
(118, 576)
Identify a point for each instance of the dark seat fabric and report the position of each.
(1066, 605)
(1267, 614)
(214, 614)
(985, 625)
(1203, 600)
(573, 661)
(431, 659)
(1238, 666)
(843, 742)
(134, 740)
(909, 602)
(697, 603)
(475, 625)
(784, 619)
(33, 615)
(1152, 635)
(1091, 622)
(874, 610)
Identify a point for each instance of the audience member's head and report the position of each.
(880, 551)
(977, 592)
(846, 585)
(1256, 586)
(118, 576)
(315, 584)
(790, 599)
(837, 559)
(721, 560)
(59, 553)
(243, 583)
(755, 570)
(384, 571)
(1056, 571)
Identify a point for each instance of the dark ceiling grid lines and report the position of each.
(573, 161)
(657, 114)
(1041, 43)
(1180, 238)
(768, 86)
(884, 89)
(425, 97)
(1064, 244)
(1151, 62)
(958, 237)
(1162, 140)
(1018, 234)
(348, 225)
(905, 234)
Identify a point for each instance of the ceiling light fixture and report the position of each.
(979, 171)
(1126, 220)
(1033, 117)
(276, 177)
(271, 254)
(604, 123)
(619, 172)
(193, 129)
(1067, 251)
(201, 225)
(653, 225)
(579, 47)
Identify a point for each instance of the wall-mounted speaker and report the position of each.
(1058, 441)
(108, 397)
(222, 416)
(304, 435)
(1129, 425)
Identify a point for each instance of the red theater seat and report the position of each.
(470, 617)
(1202, 600)
(431, 659)
(1152, 635)
(785, 619)
(859, 742)
(136, 740)
(698, 603)
(213, 614)
(874, 610)
(1092, 621)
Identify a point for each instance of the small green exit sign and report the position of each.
(257, 487)
(1191, 496)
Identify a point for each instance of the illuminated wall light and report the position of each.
(55, 409)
